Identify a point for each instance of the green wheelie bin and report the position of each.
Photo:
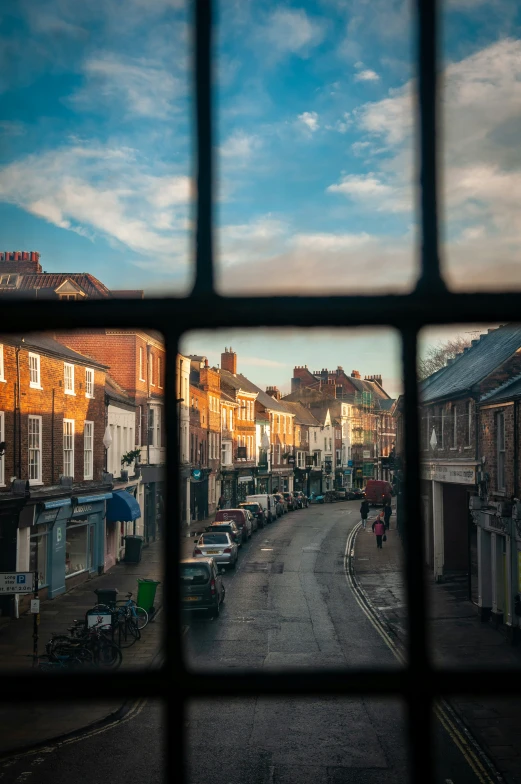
(146, 594)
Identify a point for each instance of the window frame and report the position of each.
(66, 390)
(418, 683)
(38, 383)
(39, 479)
(87, 383)
(500, 452)
(88, 474)
(140, 369)
(67, 421)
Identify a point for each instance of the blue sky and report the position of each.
(314, 148)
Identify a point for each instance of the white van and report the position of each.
(268, 504)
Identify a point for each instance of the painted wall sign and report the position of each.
(454, 474)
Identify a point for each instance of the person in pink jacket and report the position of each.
(379, 529)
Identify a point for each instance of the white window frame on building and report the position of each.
(34, 450)
(226, 453)
(35, 378)
(89, 383)
(68, 447)
(141, 364)
(159, 384)
(154, 428)
(501, 451)
(88, 449)
(151, 369)
(68, 378)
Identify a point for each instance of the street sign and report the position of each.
(16, 582)
(347, 472)
(196, 473)
(35, 606)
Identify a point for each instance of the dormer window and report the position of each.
(68, 296)
(8, 281)
(69, 290)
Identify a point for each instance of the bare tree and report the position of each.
(436, 356)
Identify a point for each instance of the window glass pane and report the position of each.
(76, 555)
(481, 117)
(315, 148)
(102, 164)
(289, 577)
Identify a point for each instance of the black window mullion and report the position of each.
(427, 43)
(418, 664)
(204, 275)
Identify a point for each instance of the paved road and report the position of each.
(288, 605)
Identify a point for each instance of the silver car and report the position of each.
(219, 546)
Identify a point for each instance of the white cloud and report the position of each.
(98, 191)
(261, 362)
(290, 31)
(310, 120)
(368, 188)
(359, 148)
(239, 147)
(341, 125)
(366, 76)
(144, 87)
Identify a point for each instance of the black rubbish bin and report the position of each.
(133, 547)
(107, 595)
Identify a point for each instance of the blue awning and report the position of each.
(122, 507)
(90, 499)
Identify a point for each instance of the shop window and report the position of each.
(68, 447)
(34, 371)
(68, 378)
(38, 550)
(500, 441)
(76, 547)
(35, 449)
(89, 382)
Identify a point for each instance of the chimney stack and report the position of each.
(355, 374)
(273, 392)
(229, 361)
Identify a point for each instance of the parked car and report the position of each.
(256, 510)
(341, 493)
(239, 517)
(355, 494)
(290, 500)
(202, 587)
(268, 504)
(280, 498)
(228, 528)
(378, 492)
(279, 506)
(253, 520)
(219, 545)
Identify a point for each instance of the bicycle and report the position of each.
(138, 613)
(126, 623)
(104, 651)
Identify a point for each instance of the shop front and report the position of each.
(199, 493)
(122, 513)
(245, 486)
(85, 538)
(282, 480)
(10, 509)
(454, 536)
(229, 487)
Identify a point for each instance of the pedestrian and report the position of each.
(364, 511)
(388, 510)
(221, 502)
(379, 529)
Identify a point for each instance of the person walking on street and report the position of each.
(222, 502)
(364, 511)
(388, 510)
(379, 530)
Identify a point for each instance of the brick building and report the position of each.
(53, 486)
(466, 415)
(137, 362)
(21, 275)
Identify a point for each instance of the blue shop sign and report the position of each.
(196, 473)
(350, 463)
(347, 472)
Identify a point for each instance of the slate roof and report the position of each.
(386, 405)
(302, 414)
(507, 391)
(238, 381)
(369, 386)
(48, 345)
(474, 365)
(46, 283)
(115, 392)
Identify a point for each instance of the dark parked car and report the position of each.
(256, 510)
(355, 494)
(290, 500)
(202, 587)
(228, 528)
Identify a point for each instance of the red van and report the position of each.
(239, 517)
(378, 492)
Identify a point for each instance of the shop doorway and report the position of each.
(456, 529)
(150, 513)
(8, 534)
(473, 559)
(199, 499)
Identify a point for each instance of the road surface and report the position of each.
(288, 604)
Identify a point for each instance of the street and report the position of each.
(288, 604)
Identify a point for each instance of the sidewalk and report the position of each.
(458, 639)
(32, 724)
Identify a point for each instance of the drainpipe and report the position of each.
(19, 399)
(52, 438)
